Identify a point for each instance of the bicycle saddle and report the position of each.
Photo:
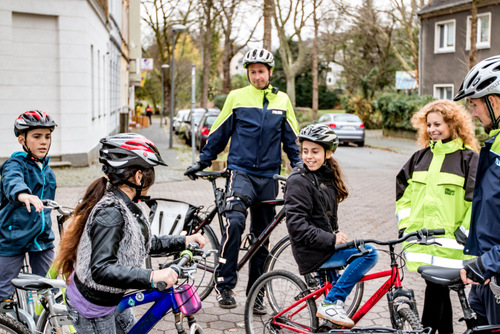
(440, 275)
(37, 283)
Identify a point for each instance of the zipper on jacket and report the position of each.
(42, 170)
(265, 104)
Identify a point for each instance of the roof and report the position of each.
(436, 5)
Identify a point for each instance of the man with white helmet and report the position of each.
(258, 119)
(482, 86)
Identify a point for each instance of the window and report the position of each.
(444, 91)
(483, 31)
(444, 40)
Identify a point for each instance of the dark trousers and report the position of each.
(256, 189)
(437, 313)
(483, 302)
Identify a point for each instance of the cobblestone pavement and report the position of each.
(367, 213)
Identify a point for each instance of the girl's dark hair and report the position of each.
(338, 181)
(66, 258)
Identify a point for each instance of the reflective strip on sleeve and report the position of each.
(434, 260)
(464, 230)
(403, 213)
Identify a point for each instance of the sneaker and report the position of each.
(259, 308)
(335, 313)
(226, 299)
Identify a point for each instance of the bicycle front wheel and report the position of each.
(204, 278)
(10, 325)
(281, 257)
(272, 293)
(409, 320)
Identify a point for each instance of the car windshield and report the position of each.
(210, 120)
(347, 118)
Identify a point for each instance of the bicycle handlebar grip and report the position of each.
(278, 177)
(161, 286)
(436, 231)
(349, 244)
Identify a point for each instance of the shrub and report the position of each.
(219, 101)
(363, 108)
(397, 109)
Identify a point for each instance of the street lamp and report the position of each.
(175, 27)
(162, 115)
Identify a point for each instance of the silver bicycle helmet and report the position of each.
(33, 119)
(129, 149)
(320, 134)
(258, 56)
(482, 80)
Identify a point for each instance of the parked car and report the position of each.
(179, 119)
(206, 122)
(193, 120)
(348, 127)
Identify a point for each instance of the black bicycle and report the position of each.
(192, 219)
(451, 278)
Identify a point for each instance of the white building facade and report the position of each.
(69, 58)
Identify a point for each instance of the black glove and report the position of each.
(475, 270)
(460, 236)
(191, 170)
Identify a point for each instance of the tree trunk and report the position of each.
(473, 35)
(207, 53)
(315, 65)
(226, 65)
(268, 24)
(290, 88)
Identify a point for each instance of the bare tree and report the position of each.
(232, 22)
(268, 24)
(210, 14)
(160, 15)
(315, 83)
(473, 35)
(290, 17)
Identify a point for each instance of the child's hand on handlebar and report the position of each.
(340, 238)
(167, 275)
(200, 239)
(29, 200)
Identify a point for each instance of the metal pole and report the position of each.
(171, 138)
(162, 114)
(193, 99)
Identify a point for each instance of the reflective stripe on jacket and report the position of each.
(434, 190)
(484, 238)
(257, 121)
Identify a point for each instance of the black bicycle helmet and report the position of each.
(482, 80)
(258, 56)
(33, 119)
(128, 149)
(320, 134)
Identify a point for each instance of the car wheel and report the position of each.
(361, 143)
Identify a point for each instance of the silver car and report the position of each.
(348, 127)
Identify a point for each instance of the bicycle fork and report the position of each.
(399, 297)
(194, 327)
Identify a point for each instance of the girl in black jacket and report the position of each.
(313, 191)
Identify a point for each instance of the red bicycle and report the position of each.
(292, 305)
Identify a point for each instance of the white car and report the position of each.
(179, 119)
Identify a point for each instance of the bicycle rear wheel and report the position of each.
(281, 257)
(10, 325)
(277, 291)
(204, 277)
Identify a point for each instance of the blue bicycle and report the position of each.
(183, 301)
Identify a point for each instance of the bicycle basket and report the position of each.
(187, 299)
(169, 216)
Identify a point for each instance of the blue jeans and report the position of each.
(352, 274)
(39, 262)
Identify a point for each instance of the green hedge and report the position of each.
(219, 101)
(397, 109)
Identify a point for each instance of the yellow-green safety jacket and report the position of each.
(434, 190)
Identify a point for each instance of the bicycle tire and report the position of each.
(9, 325)
(45, 327)
(204, 277)
(409, 319)
(281, 257)
(278, 290)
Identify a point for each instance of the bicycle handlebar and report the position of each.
(420, 234)
(278, 177)
(55, 206)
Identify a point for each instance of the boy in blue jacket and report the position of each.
(26, 179)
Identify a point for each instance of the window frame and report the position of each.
(438, 86)
(437, 35)
(479, 45)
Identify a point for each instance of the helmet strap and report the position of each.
(138, 190)
(492, 112)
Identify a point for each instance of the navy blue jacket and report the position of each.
(20, 230)
(484, 235)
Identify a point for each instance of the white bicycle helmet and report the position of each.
(320, 134)
(258, 56)
(482, 80)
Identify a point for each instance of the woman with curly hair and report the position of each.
(434, 190)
